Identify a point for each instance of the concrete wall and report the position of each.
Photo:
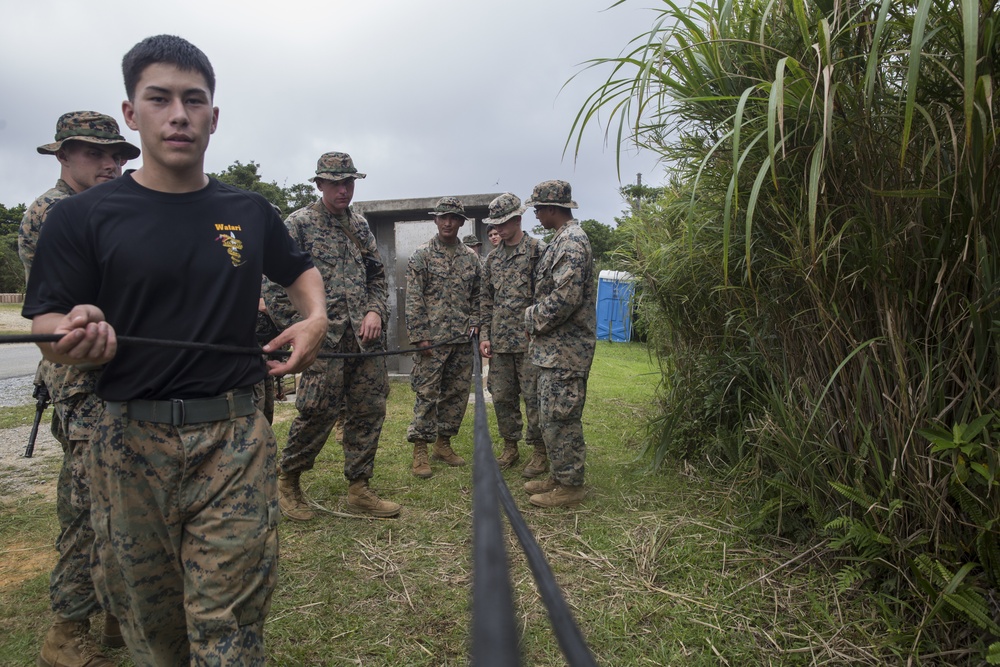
(400, 226)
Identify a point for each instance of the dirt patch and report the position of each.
(11, 321)
(22, 561)
(20, 477)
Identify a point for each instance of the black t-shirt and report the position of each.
(181, 267)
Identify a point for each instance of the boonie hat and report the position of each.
(91, 127)
(471, 240)
(503, 208)
(336, 167)
(552, 193)
(449, 206)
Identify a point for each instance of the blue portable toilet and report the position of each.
(615, 290)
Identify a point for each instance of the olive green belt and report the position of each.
(179, 412)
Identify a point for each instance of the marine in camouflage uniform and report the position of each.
(357, 300)
(442, 303)
(508, 281)
(91, 150)
(183, 485)
(562, 324)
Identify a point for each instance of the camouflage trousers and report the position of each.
(187, 537)
(562, 394)
(512, 376)
(263, 397)
(71, 584)
(441, 380)
(325, 389)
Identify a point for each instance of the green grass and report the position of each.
(655, 567)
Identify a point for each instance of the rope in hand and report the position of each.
(227, 349)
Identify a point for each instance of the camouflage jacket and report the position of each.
(563, 321)
(354, 276)
(62, 381)
(508, 283)
(442, 291)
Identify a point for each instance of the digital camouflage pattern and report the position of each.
(442, 302)
(442, 291)
(441, 380)
(449, 205)
(472, 241)
(562, 394)
(187, 547)
(90, 127)
(562, 322)
(355, 283)
(75, 412)
(336, 167)
(563, 328)
(503, 208)
(552, 193)
(508, 283)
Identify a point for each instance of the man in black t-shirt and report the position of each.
(184, 493)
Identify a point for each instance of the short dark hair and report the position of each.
(168, 49)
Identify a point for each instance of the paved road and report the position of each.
(17, 370)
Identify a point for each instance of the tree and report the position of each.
(603, 239)
(247, 176)
(10, 218)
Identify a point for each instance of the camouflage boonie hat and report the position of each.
(91, 127)
(552, 193)
(503, 208)
(336, 167)
(449, 206)
(471, 240)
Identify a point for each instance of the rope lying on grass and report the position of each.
(494, 631)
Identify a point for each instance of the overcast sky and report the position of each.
(430, 97)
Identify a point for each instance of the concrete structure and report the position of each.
(400, 226)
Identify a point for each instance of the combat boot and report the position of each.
(421, 468)
(560, 496)
(444, 452)
(291, 500)
(111, 635)
(538, 463)
(509, 456)
(68, 644)
(362, 500)
(540, 485)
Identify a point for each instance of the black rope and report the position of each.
(227, 349)
(491, 642)
(494, 634)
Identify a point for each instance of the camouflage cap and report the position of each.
(91, 127)
(552, 193)
(471, 240)
(449, 206)
(503, 208)
(336, 167)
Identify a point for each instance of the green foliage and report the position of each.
(11, 268)
(247, 176)
(10, 218)
(824, 263)
(603, 239)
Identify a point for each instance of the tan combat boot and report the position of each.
(538, 463)
(68, 644)
(291, 500)
(560, 496)
(362, 500)
(421, 468)
(111, 635)
(540, 485)
(509, 456)
(444, 452)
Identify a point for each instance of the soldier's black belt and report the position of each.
(178, 412)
